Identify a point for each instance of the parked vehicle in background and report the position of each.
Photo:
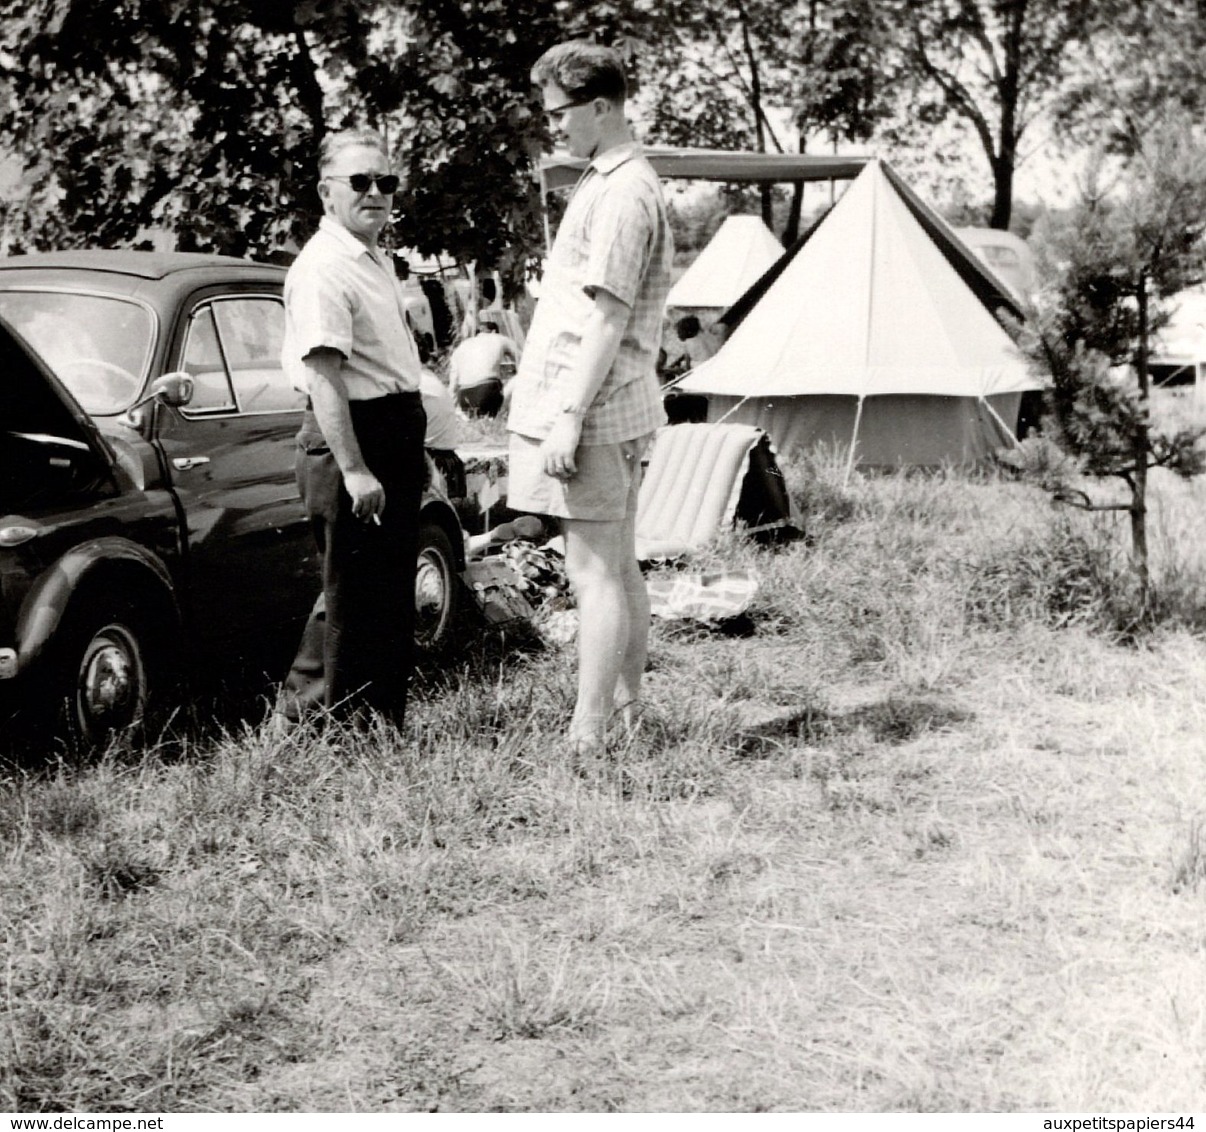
(150, 524)
(1179, 352)
(1008, 257)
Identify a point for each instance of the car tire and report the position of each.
(109, 666)
(439, 591)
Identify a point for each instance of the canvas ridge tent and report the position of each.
(731, 262)
(878, 331)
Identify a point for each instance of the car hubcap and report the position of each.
(431, 594)
(111, 681)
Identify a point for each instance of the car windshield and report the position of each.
(97, 346)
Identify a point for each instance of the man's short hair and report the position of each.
(334, 144)
(583, 70)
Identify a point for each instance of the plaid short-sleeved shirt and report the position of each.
(615, 235)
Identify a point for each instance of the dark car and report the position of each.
(149, 517)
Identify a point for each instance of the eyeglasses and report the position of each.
(386, 182)
(560, 111)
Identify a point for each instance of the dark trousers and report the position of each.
(357, 650)
(482, 400)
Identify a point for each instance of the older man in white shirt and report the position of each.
(361, 466)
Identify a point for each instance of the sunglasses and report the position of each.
(559, 111)
(386, 183)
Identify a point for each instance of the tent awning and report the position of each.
(560, 170)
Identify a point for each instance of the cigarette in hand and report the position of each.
(376, 518)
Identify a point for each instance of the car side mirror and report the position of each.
(175, 389)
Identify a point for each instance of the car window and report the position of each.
(1001, 257)
(251, 332)
(98, 346)
(204, 362)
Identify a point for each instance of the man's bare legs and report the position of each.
(613, 622)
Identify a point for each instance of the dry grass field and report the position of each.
(930, 835)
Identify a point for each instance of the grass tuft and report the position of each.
(900, 719)
(116, 871)
(521, 992)
(66, 810)
(1189, 868)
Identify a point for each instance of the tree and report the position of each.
(203, 117)
(200, 117)
(459, 91)
(1110, 266)
(1145, 60)
(843, 85)
(993, 66)
(716, 70)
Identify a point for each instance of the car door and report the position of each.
(251, 564)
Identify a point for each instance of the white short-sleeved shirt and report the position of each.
(443, 425)
(478, 360)
(342, 296)
(615, 235)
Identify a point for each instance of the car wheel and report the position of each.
(438, 589)
(105, 677)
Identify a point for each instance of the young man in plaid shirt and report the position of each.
(586, 400)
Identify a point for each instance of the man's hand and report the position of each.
(368, 496)
(560, 445)
(601, 335)
(329, 395)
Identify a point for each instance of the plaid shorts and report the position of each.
(605, 488)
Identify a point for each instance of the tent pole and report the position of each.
(1011, 433)
(858, 418)
(733, 410)
(858, 414)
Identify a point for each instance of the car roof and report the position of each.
(142, 265)
(993, 238)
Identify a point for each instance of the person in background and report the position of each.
(479, 368)
(491, 304)
(586, 400)
(443, 433)
(361, 467)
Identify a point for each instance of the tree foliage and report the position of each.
(739, 76)
(1110, 266)
(1144, 62)
(715, 70)
(992, 66)
(845, 80)
(203, 117)
(196, 116)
